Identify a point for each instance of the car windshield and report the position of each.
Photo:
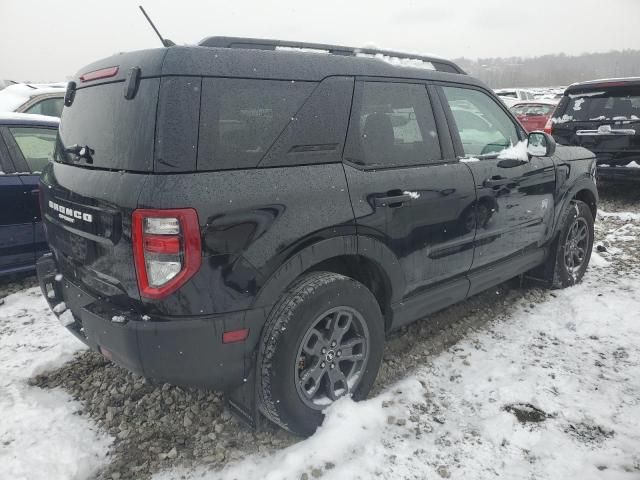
(619, 104)
(508, 94)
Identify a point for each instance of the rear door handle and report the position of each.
(394, 201)
(497, 182)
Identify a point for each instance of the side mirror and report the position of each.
(541, 144)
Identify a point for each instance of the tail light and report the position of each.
(166, 249)
(548, 127)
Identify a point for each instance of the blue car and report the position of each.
(26, 144)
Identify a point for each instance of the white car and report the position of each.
(511, 96)
(42, 99)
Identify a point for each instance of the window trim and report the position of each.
(356, 107)
(455, 135)
(37, 99)
(6, 162)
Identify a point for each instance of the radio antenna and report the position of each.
(165, 41)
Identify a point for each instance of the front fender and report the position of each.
(573, 177)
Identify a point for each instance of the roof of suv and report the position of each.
(272, 59)
(603, 83)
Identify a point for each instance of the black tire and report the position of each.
(293, 319)
(578, 215)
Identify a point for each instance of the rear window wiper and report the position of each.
(80, 151)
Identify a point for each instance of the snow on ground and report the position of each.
(549, 392)
(41, 434)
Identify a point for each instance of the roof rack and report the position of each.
(439, 64)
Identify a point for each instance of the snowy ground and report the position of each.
(41, 435)
(515, 383)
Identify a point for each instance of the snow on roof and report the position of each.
(15, 95)
(537, 101)
(605, 80)
(27, 116)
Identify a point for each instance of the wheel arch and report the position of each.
(364, 259)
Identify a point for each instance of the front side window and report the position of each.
(52, 107)
(393, 125)
(36, 145)
(484, 128)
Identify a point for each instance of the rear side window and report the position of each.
(392, 125)
(618, 104)
(240, 119)
(484, 128)
(36, 145)
(51, 107)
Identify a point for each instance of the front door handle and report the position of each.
(497, 182)
(394, 201)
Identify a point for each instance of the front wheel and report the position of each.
(322, 341)
(575, 242)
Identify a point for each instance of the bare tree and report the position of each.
(553, 70)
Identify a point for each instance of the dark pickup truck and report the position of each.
(255, 216)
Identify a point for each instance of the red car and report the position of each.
(533, 115)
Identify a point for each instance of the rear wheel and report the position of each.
(574, 245)
(322, 341)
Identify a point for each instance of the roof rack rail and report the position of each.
(439, 64)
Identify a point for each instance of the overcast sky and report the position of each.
(50, 40)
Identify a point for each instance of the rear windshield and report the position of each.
(117, 133)
(619, 104)
(532, 110)
(510, 94)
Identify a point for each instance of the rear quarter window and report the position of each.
(240, 119)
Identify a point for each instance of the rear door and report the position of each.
(32, 148)
(407, 188)
(16, 229)
(515, 192)
(603, 120)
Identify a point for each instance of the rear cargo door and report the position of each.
(104, 150)
(606, 121)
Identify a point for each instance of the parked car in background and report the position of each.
(331, 199)
(533, 115)
(26, 144)
(39, 99)
(603, 116)
(511, 96)
(5, 83)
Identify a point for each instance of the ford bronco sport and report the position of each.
(254, 216)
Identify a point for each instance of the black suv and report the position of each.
(603, 116)
(255, 216)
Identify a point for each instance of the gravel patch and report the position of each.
(161, 426)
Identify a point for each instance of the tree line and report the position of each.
(552, 70)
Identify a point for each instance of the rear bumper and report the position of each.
(182, 351)
(619, 174)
